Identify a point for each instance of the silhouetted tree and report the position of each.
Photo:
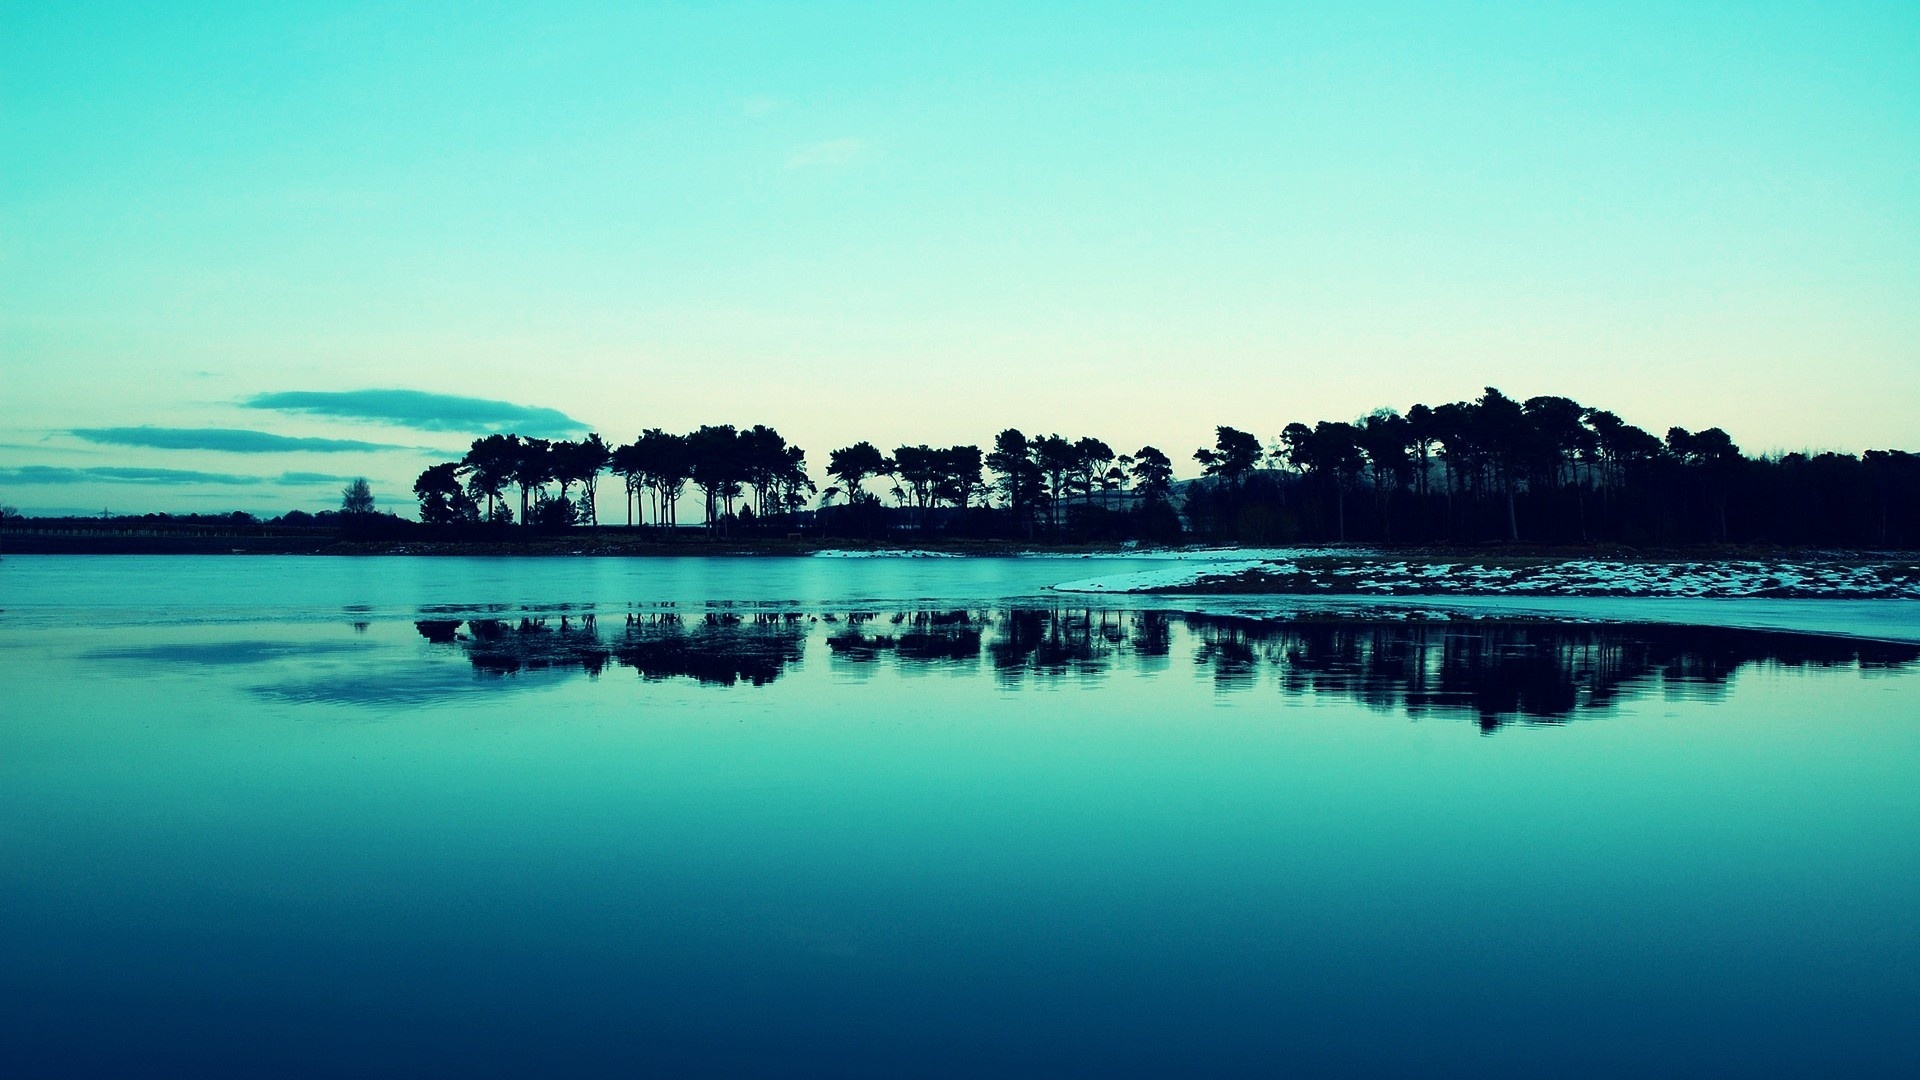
(1055, 459)
(852, 466)
(1383, 438)
(666, 462)
(1019, 478)
(1421, 439)
(627, 462)
(918, 469)
(356, 499)
(960, 480)
(591, 456)
(787, 486)
(1091, 460)
(769, 466)
(718, 468)
(488, 466)
(570, 463)
(443, 500)
(1337, 456)
(1152, 473)
(1506, 439)
(1714, 460)
(531, 468)
(1232, 457)
(1890, 475)
(1560, 447)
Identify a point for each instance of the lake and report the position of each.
(922, 817)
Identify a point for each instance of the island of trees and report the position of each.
(1543, 470)
(1488, 470)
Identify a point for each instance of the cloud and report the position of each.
(827, 154)
(424, 411)
(231, 440)
(43, 475)
(297, 479)
(56, 474)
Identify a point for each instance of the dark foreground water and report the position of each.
(970, 838)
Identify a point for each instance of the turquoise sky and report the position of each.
(926, 222)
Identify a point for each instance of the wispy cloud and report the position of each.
(52, 475)
(833, 152)
(308, 479)
(424, 411)
(230, 440)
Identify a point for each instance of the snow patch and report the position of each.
(891, 553)
(1281, 571)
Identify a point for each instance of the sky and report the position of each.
(249, 251)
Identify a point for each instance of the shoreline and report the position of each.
(1797, 576)
(612, 541)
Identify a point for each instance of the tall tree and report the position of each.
(1233, 455)
(356, 499)
(1422, 437)
(1152, 473)
(591, 456)
(1018, 477)
(1507, 439)
(443, 500)
(1330, 452)
(1382, 438)
(532, 468)
(628, 463)
(853, 465)
(763, 454)
(667, 464)
(960, 475)
(1561, 445)
(718, 468)
(1056, 460)
(789, 484)
(1337, 453)
(1092, 458)
(1711, 456)
(488, 466)
(920, 469)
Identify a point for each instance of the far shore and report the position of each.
(601, 542)
(615, 541)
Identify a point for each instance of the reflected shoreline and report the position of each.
(1492, 672)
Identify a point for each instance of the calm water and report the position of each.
(920, 818)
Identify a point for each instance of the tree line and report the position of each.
(1547, 469)
(740, 474)
(753, 478)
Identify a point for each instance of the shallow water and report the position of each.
(144, 588)
(396, 818)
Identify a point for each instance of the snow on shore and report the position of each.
(1878, 620)
(1574, 577)
(1211, 554)
(1164, 577)
(890, 553)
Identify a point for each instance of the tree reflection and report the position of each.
(1498, 672)
(716, 649)
(1491, 672)
(918, 638)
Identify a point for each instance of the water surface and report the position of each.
(418, 822)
